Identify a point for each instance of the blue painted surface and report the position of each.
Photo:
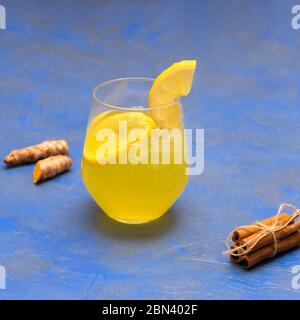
(54, 243)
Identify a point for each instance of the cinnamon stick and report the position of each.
(241, 233)
(248, 242)
(284, 244)
(233, 257)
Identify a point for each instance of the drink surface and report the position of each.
(131, 193)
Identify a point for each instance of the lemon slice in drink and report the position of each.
(168, 87)
(105, 128)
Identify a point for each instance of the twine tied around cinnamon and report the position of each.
(263, 231)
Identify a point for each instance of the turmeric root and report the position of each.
(50, 167)
(37, 152)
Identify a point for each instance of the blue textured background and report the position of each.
(54, 243)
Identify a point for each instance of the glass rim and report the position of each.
(124, 108)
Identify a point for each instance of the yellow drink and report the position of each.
(131, 176)
(130, 193)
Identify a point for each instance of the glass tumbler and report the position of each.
(133, 175)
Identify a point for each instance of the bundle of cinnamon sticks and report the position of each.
(264, 239)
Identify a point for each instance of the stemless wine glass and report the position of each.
(131, 184)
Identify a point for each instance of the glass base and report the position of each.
(133, 221)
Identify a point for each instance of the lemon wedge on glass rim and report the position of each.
(173, 83)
